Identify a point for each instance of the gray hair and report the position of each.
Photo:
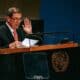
(13, 10)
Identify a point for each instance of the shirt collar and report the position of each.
(9, 27)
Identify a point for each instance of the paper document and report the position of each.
(29, 42)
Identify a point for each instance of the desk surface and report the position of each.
(38, 48)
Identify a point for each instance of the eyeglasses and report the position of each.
(16, 18)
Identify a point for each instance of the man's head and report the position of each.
(14, 17)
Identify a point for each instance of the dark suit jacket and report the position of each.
(6, 37)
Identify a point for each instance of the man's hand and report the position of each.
(27, 27)
(16, 44)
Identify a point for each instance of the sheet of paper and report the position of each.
(29, 42)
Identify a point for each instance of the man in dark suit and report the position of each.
(11, 67)
(14, 66)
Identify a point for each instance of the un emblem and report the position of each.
(60, 60)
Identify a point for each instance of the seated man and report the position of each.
(11, 36)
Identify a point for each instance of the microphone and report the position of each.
(40, 35)
(35, 36)
(49, 33)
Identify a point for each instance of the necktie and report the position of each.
(15, 35)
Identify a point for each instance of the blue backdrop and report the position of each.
(61, 16)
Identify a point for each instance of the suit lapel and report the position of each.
(20, 34)
(8, 34)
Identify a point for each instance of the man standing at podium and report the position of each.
(11, 35)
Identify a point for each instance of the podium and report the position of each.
(43, 72)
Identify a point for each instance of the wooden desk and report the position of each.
(38, 48)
